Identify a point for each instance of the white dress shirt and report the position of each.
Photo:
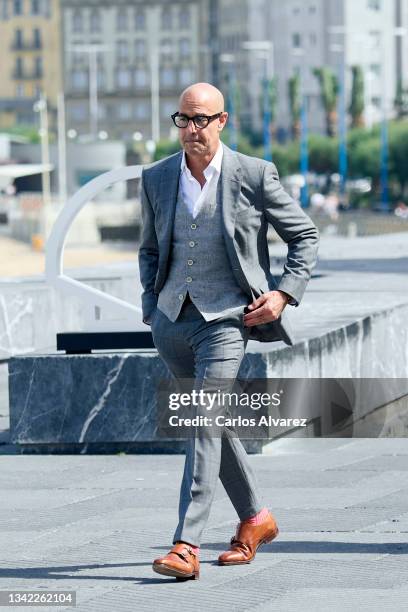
(191, 190)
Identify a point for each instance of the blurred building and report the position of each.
(30, 58)
(126, 62)
(368, 33)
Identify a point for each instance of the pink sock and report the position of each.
(259, 518)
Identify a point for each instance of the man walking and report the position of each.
(207, 288)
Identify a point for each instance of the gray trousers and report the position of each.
(203, 351)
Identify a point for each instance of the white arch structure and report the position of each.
(122, 316)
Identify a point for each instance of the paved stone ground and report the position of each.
(93, 524)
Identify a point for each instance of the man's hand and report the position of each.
(268, 307)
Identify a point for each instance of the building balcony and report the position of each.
(25, 75)
(26, 46)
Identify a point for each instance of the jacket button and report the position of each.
(190, 262)
(191, 243)
(193, 226)
(189, 279)
(181, 296)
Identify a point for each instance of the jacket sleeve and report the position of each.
(148, 255)
(295, 228)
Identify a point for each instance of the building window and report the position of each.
(166, 18)
(76, 57)
(20, 90)
(313, 39)
(18, 39)
(375, 39)
(101, 78)
(374, 5)
(79, 112)
(140, 19)
(122, 20)
(77, 23)
(125, 111)
(102, 113)
(122, 50)
(18, 7)
(47, 8)
(186, 76)
(296, 40)
(184, 17)
(38, 67)
(35, 7)
(95, 21)
(296, 10)
(124, 79)
(37, 38)
(19, 67)
(312, 9)
(166, 48)
(79, 79)
(140, 77)
(167, 77)
(376, 101)
(141, 110)
(167, 109)
(185, 47)
(37, 91)
(375, 69)
(140, 49)
(4, 9)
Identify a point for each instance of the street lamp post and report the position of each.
(384, 125)
(304, 132)
(343, 161)
(265, 51)
(229, 60)
(92, 51)
(155, 90)
(41, 107)
(62, 150)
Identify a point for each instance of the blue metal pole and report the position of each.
(232, 133)
(343, 162)
(384, 165)
(266, 121)
(304, 153)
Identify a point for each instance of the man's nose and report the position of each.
(191, 126)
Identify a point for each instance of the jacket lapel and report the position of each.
(230, 189)
(168, 191)
(230, 178)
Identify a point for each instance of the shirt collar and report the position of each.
(213, 166)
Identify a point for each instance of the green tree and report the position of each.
(286, 158)
(398, 147)
(329, 88)
(401, 100)
(164, 148)
(356, 108)
(323, 154)
(295, 104)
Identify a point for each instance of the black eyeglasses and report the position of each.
(200, 121)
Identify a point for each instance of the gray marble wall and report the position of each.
(110, 398)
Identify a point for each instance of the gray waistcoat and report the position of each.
(199, 263)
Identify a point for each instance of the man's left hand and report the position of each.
(268, 307)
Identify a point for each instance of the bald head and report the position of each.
(200, 144)
(203, 94)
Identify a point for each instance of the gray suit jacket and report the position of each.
(251, 197)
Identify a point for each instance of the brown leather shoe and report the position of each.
(246, 541)
(180, 562)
